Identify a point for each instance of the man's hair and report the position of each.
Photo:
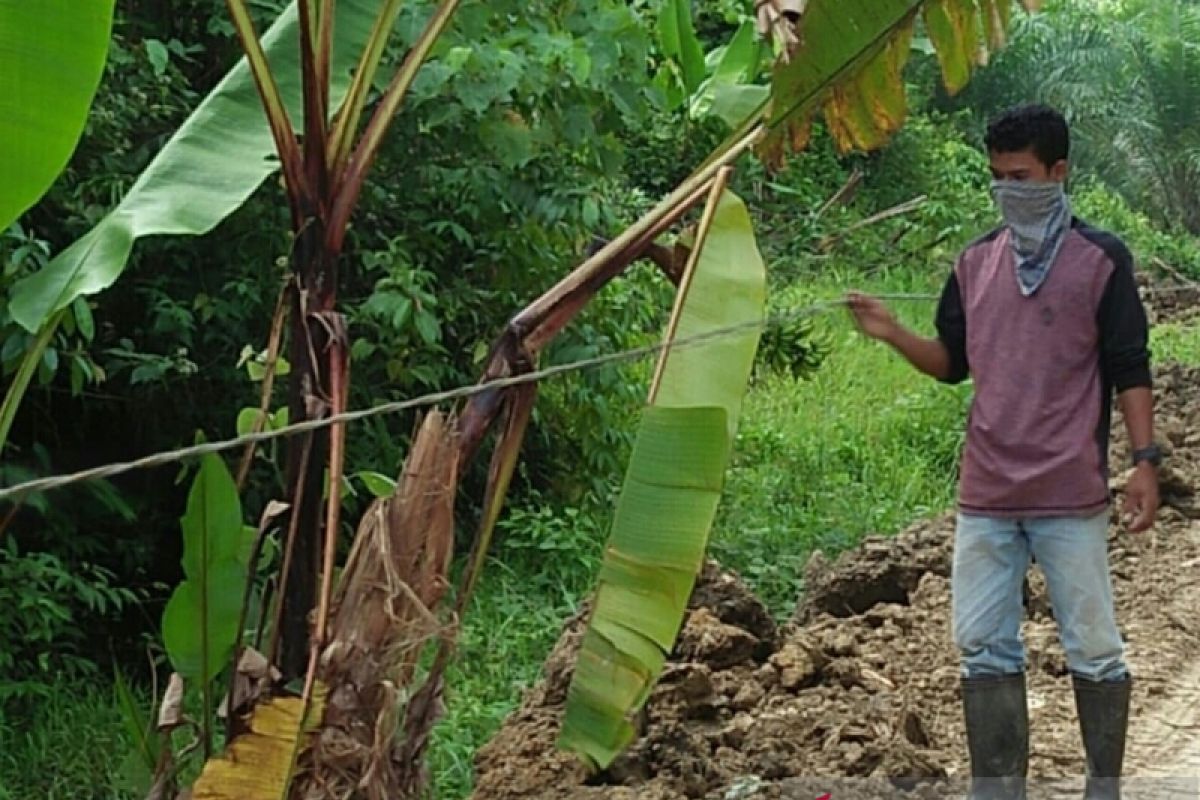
(1036, 127)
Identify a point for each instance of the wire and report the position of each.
(459, 393)
(434, 398)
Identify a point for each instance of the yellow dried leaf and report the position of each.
(258, 765)
(863, 112)
(864, 106)
(839, 38)
(801, 133)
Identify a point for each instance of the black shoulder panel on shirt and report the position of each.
(1121, 318)
(1110, 243)
(951, 323)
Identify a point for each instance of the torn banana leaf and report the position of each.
(672, 486)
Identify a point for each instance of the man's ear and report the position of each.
(1059, 171)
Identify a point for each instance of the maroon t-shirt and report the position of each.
(1044, 369)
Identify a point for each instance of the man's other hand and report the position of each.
(1141, 498)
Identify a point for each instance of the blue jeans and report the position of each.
(991, 557)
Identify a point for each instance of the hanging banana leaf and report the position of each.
(850, 62)
(671, 489)
(260, 764)
(48, 49)
(205, 172)
(955, 32)
(997, 16)
(964, 34)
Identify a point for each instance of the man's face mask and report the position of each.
(1028, 205)
(1038, 217)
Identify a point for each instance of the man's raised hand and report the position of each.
(871, 315)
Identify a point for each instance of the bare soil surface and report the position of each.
(1174, 301)
(862, 683)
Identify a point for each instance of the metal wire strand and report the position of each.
(459, 393)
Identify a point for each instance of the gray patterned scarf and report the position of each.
(1038, 216)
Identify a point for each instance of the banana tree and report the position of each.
(719, 83)
(317, 59)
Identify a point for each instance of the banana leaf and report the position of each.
(677, 38)
(261, 763)
(52, 55)
(850, 61)
(671, 489)
(205, 172)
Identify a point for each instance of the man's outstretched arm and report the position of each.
(929, 355)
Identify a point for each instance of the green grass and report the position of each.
(68, 745)
(1176, 342)
(545, 563)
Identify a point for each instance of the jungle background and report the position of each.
(465, 220)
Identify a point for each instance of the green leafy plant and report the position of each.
(569, 536)
(1152, 247)
(722, 82)
(43, 600)
(200, 622)
(217, 184)
(65, 349)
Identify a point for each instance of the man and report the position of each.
(1043, 314)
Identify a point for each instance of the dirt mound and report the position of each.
(726, 625)
(882, 569)
(862, 682)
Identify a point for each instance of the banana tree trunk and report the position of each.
(307, 457)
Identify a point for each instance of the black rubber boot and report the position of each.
(1103, 708)
(997, 718)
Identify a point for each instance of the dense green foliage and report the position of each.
(536, 127)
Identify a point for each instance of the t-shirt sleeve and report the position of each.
(1124, 331)
(951, 324)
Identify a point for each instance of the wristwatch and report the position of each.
(1152, 453)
